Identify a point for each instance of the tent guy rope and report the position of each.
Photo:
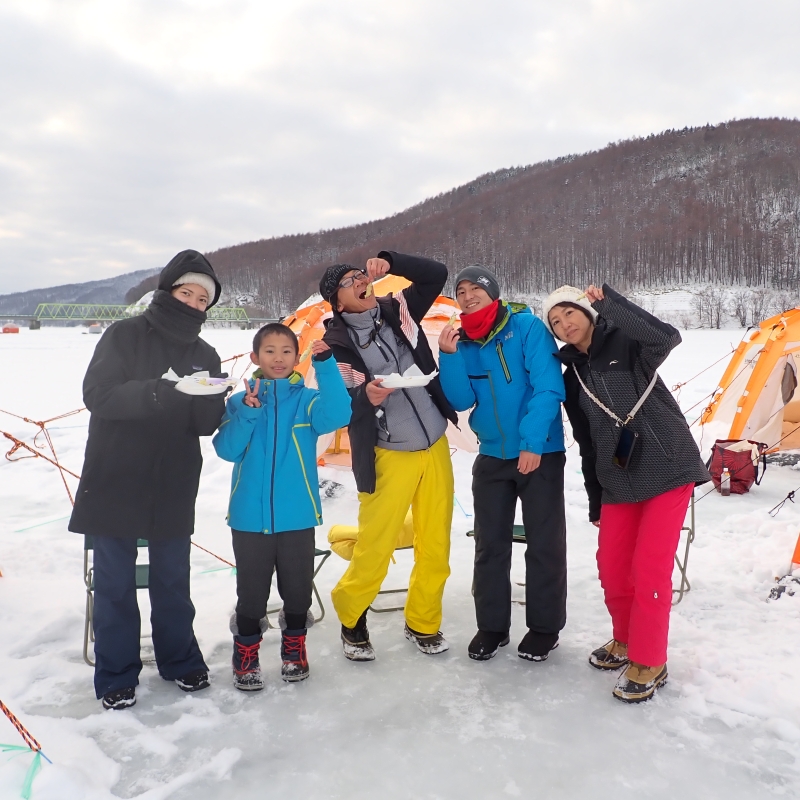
(31, 745)
(34, 451)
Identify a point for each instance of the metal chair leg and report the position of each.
(390, 591)
(685, 586)
(325, 555)
(88, 628)
(392, 608)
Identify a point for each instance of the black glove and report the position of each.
(169, 398)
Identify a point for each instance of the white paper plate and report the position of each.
(396, 381)
(198, 386)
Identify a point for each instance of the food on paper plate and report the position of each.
(411, 378)
(199, 383)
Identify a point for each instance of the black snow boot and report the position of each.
(120, 698)
(484, 644)
(429, 643)
(536, 646)
(246, 669)
(293, 655)
(193, 681)
(355, 641)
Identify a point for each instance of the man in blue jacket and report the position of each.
(500, 364)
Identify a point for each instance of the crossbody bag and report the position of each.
(627, 438)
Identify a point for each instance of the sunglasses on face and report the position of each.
(348, 282)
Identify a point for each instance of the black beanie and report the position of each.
(481, 276)
(329, 282)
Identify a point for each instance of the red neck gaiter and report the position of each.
(477, 324)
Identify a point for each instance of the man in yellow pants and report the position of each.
(399, 450)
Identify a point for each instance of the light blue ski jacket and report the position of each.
(274, 486)
(514, 382)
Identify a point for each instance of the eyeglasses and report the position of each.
(348, 282)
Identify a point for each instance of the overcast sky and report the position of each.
(132, 130)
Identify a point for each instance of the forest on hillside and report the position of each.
(718, 204)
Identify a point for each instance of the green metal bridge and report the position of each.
(91, 312)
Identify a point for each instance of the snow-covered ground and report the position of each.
(726, 726)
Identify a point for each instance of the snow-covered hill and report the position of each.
(108, 290)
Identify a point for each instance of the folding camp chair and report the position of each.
(343, 538)
(142, 582)
(324, 555)
(682, 564)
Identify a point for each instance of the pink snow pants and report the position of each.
(635, 553)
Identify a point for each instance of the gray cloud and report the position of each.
(131, 130)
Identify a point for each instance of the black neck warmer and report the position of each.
(174, 320)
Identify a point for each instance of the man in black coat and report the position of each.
(140, 478)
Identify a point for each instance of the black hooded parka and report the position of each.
(142, 465)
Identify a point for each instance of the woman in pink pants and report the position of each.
(640, 466)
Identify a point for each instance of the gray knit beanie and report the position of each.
(481, 276)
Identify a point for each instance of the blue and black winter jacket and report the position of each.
(274, 486)
(514, 383)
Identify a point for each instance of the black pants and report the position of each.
(117, 625)
(258, 555)
(496, 485)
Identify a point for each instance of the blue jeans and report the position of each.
(117, 624)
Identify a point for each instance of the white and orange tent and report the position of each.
(308, 324)
(758, 396)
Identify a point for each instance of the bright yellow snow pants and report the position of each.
(424, 481)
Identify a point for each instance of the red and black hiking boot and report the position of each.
(293, 653)
(246, 669)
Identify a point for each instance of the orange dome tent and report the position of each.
(758, 396)
(308, 324)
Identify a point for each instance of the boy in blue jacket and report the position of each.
(270, 433)
(501, 362)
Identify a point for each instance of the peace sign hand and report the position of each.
(251, 397)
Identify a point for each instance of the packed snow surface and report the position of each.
(727, 725)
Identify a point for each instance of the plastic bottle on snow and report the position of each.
(725, 483)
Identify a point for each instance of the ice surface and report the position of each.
(407, 725)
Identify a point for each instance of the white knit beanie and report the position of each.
(566, 294)
(201, 280)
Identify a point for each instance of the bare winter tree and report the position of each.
(740, 305)
(760, 303)
(709, 305)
